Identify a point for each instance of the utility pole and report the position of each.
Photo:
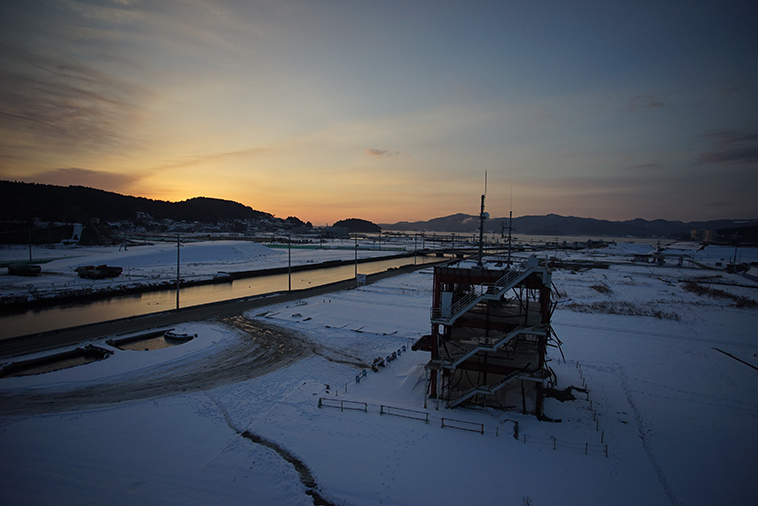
(510, 229)
(289, 262)
(177, 271)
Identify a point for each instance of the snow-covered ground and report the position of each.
(667, 395)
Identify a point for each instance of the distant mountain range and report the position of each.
(27, 202)
(555, 225)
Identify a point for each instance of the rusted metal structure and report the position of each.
(490, 331)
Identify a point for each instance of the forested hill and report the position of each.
(358, 225)
(79, 204)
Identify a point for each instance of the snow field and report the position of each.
(678, 416)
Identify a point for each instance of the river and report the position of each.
(68, 315)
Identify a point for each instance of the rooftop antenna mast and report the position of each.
(482, 216)
(510, 229)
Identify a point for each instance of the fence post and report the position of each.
(606, 451)
(586, 447)
(554, 443)
(319, 402)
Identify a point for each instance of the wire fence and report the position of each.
(511, 429)
(556, 443)
(465, 425)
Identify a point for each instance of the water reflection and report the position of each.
(69, 315)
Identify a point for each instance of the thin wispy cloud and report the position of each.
(645, 167)
(222, 157)
(49, 103)
(73, 176)
(641, 102)
(382, 153)
(731, 147)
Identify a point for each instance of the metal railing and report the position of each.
(324, 402)
(484, 389)
(463, 425)
(455, 360)
(404, 412)
(487, 290)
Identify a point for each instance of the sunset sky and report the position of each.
(389, 110)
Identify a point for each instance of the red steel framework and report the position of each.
(490, 327)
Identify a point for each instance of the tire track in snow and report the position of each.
(261, 348)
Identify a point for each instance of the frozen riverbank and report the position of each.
(154, 268)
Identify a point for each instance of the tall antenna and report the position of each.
(482, 216)
(510, 229)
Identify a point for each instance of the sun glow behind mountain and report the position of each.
(388, 111)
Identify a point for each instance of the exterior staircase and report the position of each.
(483, 389)
(472, 349)
(486, 291)
(460, 398)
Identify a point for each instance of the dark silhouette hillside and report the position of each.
(356, 225)
(25, 202)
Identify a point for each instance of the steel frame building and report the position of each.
(490, 331)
